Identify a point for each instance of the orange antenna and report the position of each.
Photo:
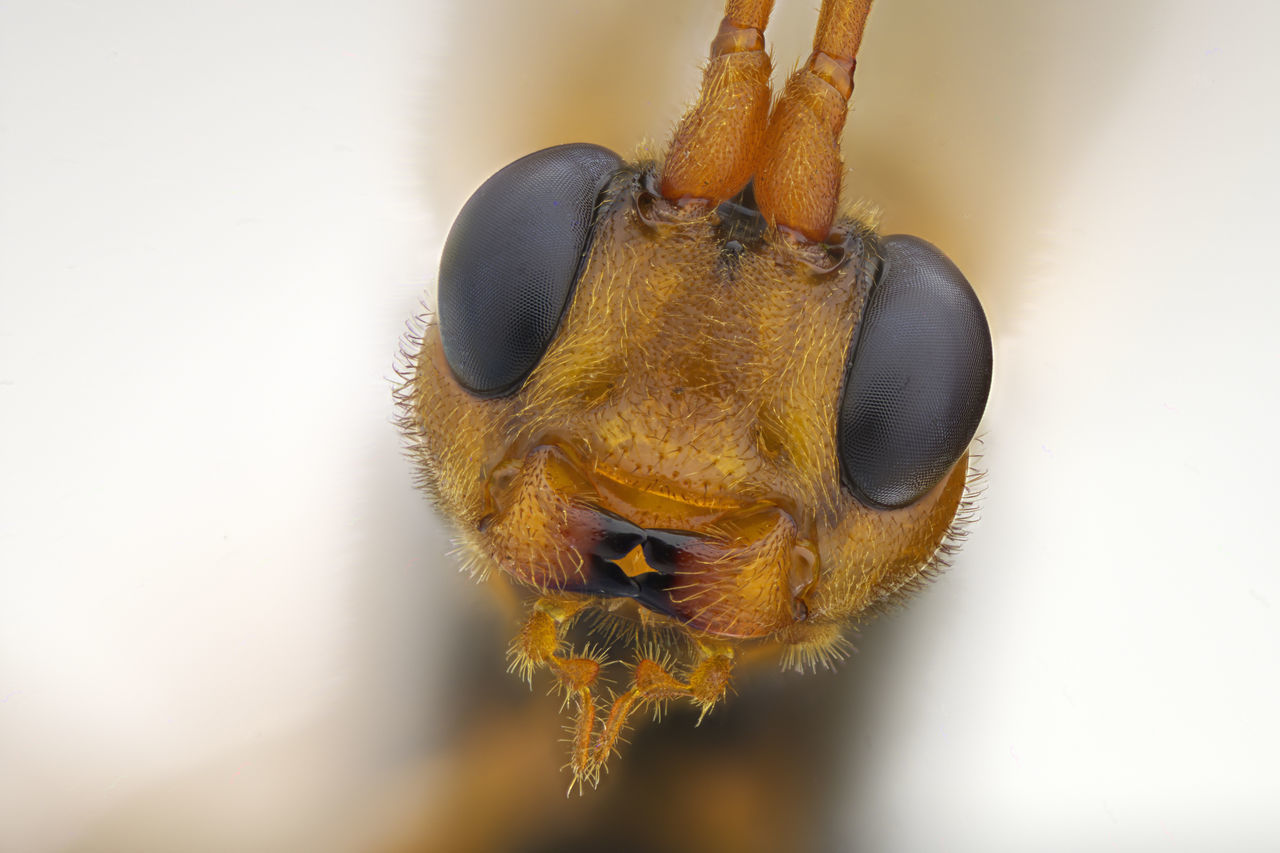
(716, 147)
(798, 183)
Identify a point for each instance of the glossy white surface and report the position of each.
(223, 611)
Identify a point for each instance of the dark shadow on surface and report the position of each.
(747, 779)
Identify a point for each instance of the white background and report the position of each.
(223, 610)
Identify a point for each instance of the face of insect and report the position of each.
(689, 416)
(677, 392)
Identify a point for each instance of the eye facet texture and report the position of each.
(918, 377)
(511, 260)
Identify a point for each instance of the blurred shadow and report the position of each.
(750, 778)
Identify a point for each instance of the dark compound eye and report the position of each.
(511, 260)
(917, 378)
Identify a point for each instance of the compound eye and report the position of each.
(917, 379)
(511, 260)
